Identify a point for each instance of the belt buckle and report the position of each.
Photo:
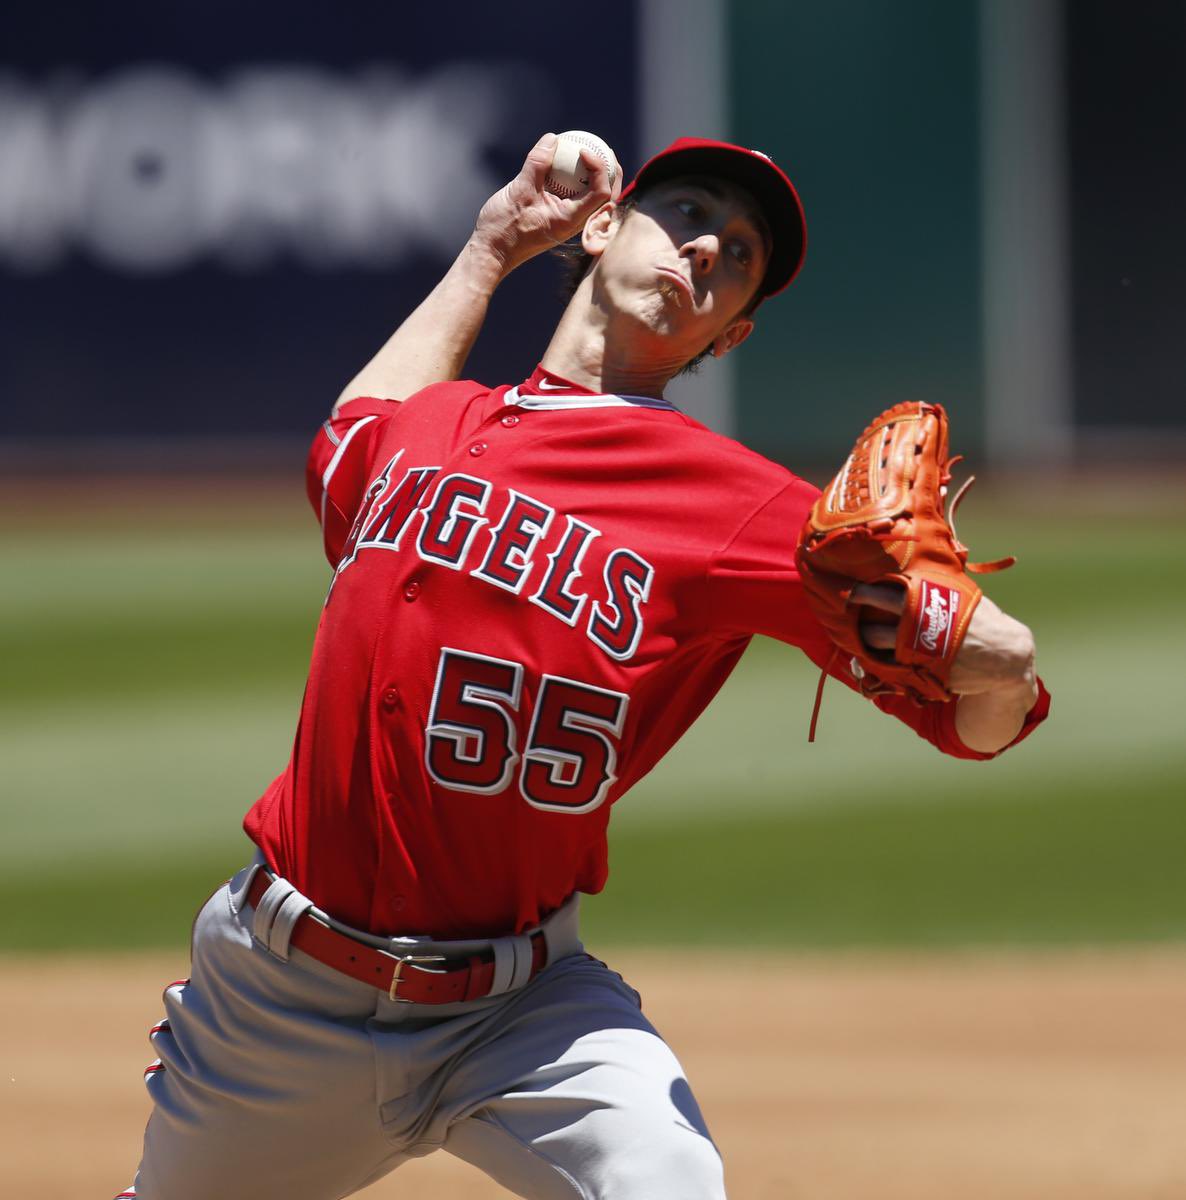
(402, 960)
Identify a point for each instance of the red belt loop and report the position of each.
(406, 978)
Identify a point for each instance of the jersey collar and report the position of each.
(545, 390)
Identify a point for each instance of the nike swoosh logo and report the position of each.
(545, 386)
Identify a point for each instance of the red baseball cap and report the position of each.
(759, 174)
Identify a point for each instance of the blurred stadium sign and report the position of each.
(212, 214)
(152, 168)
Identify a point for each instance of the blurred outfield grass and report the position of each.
(153, 653)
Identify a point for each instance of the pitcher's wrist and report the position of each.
(485, 264)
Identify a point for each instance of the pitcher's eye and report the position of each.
(690, 209)
(742, 252)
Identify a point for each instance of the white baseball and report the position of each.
(568, 176)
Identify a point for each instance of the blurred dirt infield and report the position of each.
(1006, 1076)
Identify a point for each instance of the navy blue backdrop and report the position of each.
(182, 248)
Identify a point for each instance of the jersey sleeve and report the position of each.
(754, 587)
(339, 467)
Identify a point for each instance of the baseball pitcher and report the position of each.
(536, 588)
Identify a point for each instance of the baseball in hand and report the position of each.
(568, 177)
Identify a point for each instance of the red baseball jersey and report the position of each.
(536, 591)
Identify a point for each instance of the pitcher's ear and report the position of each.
(599, 230)
(732, 337)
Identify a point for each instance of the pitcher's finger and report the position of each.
(599, 186)
(539, 161)
(890, 597)
(879, 637)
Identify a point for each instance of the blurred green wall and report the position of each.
(872, 109)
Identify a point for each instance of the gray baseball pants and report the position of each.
(280, 1077)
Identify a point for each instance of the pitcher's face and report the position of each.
(686, 261)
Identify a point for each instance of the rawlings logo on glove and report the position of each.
(939, 607)
(882, 521)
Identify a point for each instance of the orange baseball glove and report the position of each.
(882, 521)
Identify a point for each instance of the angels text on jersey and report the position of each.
(508, 540)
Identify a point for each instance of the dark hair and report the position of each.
(576, 262)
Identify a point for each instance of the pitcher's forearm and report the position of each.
(989, 721)
(522, 219)
(434, 341)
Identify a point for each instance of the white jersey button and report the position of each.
(510, 420)
(477, 448)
